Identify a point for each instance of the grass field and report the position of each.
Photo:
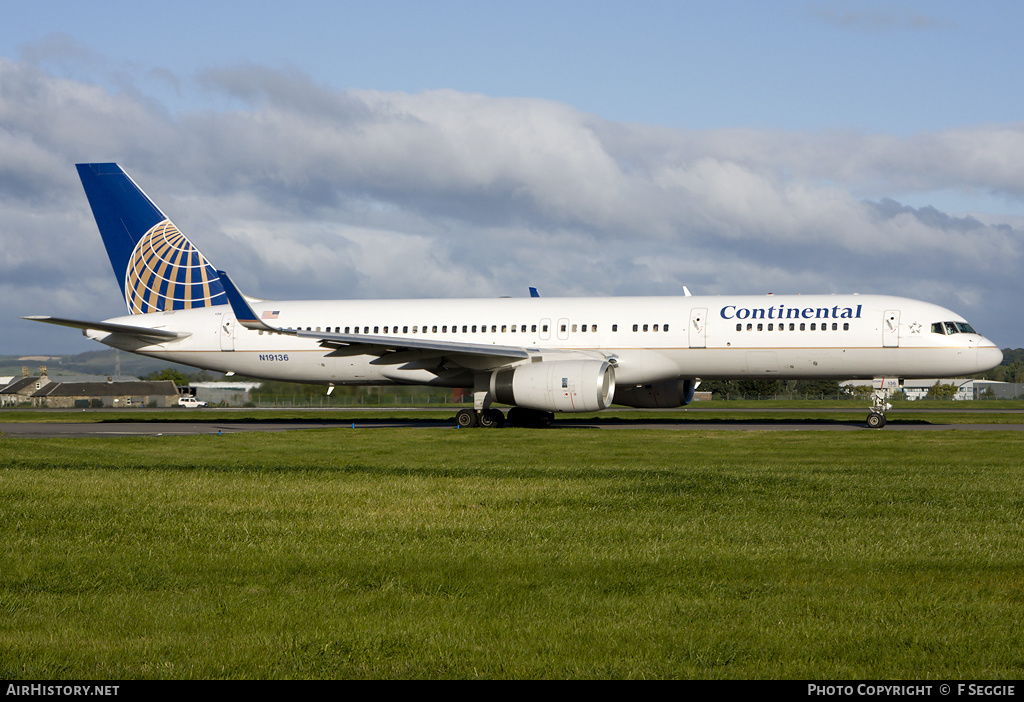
(576, 553)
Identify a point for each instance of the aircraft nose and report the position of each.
(989, 355)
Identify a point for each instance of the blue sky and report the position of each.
(897, 67)
(818, 146)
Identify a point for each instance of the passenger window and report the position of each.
(655, 327)
(771, 327)
(376, 330)
(504, 328)
(760, 327)
(348, 330)
(739, 327)
(665, 328)
(545, 329)
(645, 327)
(494, 328)
(635, 327)
(813, 327)
(801, 326)
(533, 328)
(846, 326)
(835, 326)
(615, 327)
(750, 327)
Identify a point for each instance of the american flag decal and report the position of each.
(271, 315)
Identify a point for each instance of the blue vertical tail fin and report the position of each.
(157, 267)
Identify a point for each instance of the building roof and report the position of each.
(130, 387)
(21, 383)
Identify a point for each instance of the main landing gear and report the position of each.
(493, 418)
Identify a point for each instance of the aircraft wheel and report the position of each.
(491, 419)
(466, 418)
(522, 417)
(516, 417)
(876, 420)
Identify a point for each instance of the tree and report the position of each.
(817, 387)
(941, 391)
(179, 378)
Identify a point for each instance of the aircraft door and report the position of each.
(563, 329)
(227, 332)
(698, 328)
(891, 329)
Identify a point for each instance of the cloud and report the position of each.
(875, 20)
(304, 191)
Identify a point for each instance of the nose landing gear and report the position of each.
(882, 388)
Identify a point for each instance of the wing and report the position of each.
(388, 349)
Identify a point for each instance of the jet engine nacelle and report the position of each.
(669, 393)
(556, 386)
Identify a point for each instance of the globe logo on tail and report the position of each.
(166, 272)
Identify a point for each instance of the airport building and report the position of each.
(967, 388)
(41, 391)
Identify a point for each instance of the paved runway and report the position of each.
(159, 428)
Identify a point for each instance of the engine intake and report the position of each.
(556, 386)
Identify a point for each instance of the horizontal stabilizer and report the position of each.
(145, 333)
(243, 311)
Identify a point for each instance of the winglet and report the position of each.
(244, 312)
(533, 292)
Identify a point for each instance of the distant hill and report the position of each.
(101, 362)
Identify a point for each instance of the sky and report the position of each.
(473, 149)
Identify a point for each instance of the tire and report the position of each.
(466, 418)
(491, 419)
(876, 420)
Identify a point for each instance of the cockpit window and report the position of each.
(952, 328)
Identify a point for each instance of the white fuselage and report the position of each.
(650, 339)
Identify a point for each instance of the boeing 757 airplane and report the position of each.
(539, 355)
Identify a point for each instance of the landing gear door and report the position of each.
(891, 329)
(698, 328)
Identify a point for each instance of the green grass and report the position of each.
(419, 553)
(780, 411)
